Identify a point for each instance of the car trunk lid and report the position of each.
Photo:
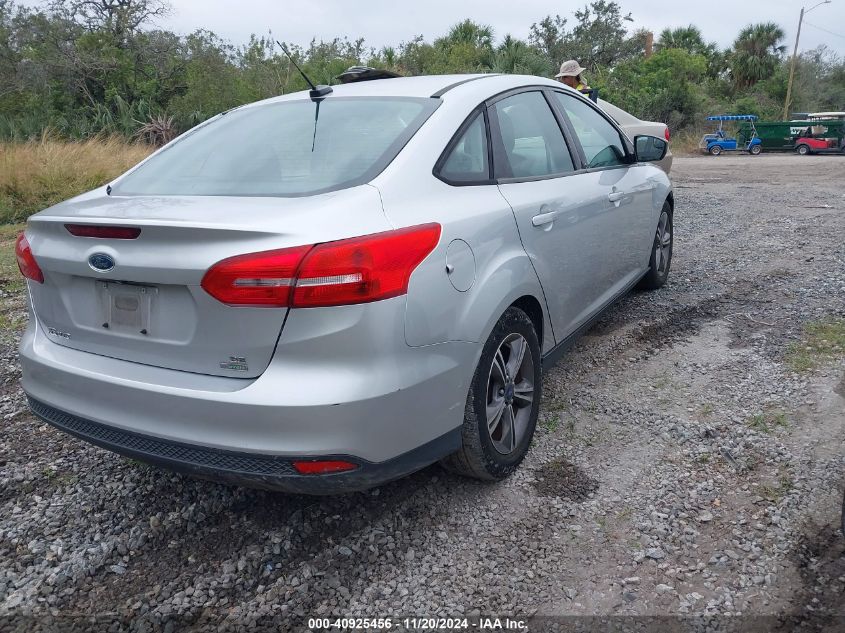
(140, 299)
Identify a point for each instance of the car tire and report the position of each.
(493, 447)
(660, 260)
(802, 149)
(755, 150)
(716, 150)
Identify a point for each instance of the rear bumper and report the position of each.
(271, 472)
(346, 385)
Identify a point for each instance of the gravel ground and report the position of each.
(689, 461)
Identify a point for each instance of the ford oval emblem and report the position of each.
(101, 262)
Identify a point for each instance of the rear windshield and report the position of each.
(284, 149)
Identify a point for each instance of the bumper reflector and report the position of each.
(323, 467)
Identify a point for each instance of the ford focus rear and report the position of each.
(314, 294)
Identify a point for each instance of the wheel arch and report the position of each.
(534, 309)
(529, 298)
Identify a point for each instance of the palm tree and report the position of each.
(686, 38)
(388, 57)
(756, 53)
(469, 32)
(690, 39)
(514, 56)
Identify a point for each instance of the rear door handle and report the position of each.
(545, 218)
(616, 196)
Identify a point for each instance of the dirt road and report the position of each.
(690, 460)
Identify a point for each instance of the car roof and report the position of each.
(471, 89)
(445, 86)
(474, 88)
(420, 86)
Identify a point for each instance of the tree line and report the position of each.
(81, 68)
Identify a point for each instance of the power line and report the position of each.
(825, 30)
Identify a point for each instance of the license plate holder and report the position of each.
(126, 307)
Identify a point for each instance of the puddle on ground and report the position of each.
(560, 478)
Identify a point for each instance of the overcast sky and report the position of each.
(383, 22)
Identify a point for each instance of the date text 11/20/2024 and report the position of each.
(418, 624)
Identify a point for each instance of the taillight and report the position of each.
(666, 133)
(26, 260)
(363, 269)
(257, 279)
(323, 467)
(114, 232)
(356, 270)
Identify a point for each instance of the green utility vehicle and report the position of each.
(787, 136)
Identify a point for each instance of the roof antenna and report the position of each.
(317, 92)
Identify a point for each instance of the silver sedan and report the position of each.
(325, 291)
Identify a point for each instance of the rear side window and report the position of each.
(533, 142)
(468, 161)
(288, 148)
(600, 141)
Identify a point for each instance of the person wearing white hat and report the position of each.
(570, 74)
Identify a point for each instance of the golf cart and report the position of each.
(822, 137)
(719, 141)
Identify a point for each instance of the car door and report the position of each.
(622, 187)
(558, 209)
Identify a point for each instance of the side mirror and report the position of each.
(649, 149)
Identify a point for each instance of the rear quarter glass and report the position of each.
(284, 149)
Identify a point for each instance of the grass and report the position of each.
(550, 422)
(12, 315)
(11, 280)
(768, 421)
(777, 491)
(662, 381)
(822, 342)
(553, 416)
(9, 323)
(51, 475)
(686, 142)
(37, 174)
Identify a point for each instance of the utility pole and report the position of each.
(788, 101)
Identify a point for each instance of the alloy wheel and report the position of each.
(510, 393)
(663, 243)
